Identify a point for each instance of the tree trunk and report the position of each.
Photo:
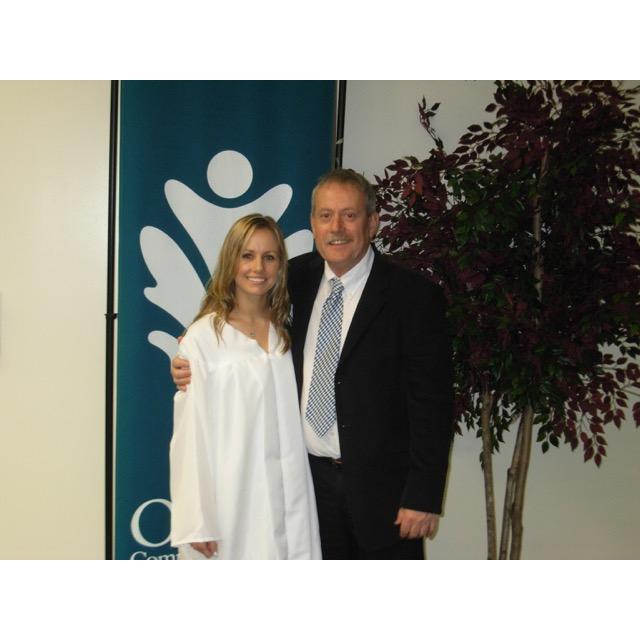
(525, 430)
(526, 426)
(509, 493)
(487, 470)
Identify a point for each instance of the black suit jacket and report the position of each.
(393, 390)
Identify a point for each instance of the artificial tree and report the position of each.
(530, 226)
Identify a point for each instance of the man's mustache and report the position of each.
(338, 239)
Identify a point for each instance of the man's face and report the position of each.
(341, 227)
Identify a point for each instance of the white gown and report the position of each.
(239, 467)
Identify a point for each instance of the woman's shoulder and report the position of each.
(200, 333)
(202, 325)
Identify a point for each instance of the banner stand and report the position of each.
(110, 318)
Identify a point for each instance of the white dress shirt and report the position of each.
(353, 282)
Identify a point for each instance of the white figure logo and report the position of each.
(178, 289)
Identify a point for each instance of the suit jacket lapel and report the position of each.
(371, 301)
(302, 308)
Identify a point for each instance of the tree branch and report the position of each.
(487, 470)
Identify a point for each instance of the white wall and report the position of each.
(573, 509)
(53, 212)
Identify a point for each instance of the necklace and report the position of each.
(247, 324)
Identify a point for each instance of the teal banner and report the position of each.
(194, 157)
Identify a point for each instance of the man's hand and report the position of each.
(206, 548)
(181, 373)
(417, 524)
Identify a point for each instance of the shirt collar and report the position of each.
(351, 278)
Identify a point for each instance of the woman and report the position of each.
(240, 481)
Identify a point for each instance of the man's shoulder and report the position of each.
(404, 279)
(302, 265)
(304, 260)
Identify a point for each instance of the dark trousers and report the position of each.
(336, 525)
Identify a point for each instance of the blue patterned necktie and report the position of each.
(321, 406)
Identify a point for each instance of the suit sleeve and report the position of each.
(427, 355)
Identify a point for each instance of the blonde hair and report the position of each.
(220, 295)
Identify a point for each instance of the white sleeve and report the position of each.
(192, 480)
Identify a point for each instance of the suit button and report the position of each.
(338, 381)
(343, 426)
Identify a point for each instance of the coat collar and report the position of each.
(305, 297)
(372, 300)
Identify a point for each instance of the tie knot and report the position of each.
(336, 286)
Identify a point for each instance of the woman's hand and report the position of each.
(207, 549)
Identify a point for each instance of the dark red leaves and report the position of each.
(563, 154)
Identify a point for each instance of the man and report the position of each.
(372, 357)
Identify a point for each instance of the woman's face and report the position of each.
(258, 264)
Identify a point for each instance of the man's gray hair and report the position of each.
(348, 176)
